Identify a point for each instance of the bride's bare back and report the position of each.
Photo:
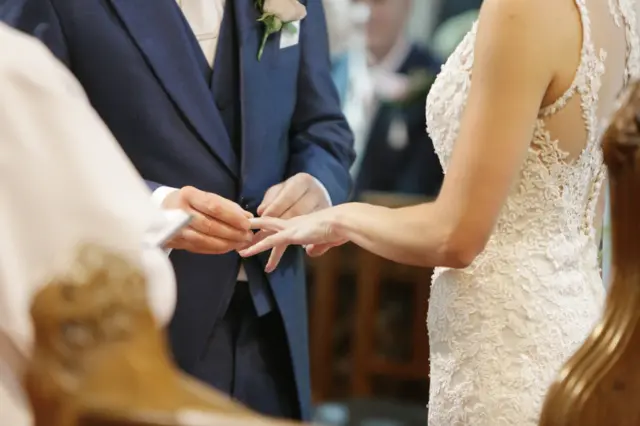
(604, 49)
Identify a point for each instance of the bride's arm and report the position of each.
(516, 53)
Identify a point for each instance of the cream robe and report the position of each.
(63, 180)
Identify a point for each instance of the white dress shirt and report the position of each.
(205, 19)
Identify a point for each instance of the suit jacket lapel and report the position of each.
(160, 33)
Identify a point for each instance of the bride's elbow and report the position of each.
(460, 251)
(458, 258)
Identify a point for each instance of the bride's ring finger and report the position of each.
(274, 258)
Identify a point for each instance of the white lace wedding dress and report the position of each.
(501, 329)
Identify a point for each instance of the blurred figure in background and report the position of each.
(397, 155)
(451, 32)
(340, 31)
(452, 8)
(346, 25)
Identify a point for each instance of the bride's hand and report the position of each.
(316, 231)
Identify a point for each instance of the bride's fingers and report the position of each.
(315, 250)
(274, 258)
(257, 237)
(280, 238)
(267, 223)
(260, 236)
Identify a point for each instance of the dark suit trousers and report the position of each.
(248, 358)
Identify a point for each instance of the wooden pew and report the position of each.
(101, 360)
(600, 384)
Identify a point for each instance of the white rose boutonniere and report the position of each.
(278, 15)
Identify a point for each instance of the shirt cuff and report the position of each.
(157, 198)
(160, 193)
(324, 189)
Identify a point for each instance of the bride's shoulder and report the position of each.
(530, 14)
(546, 7)
(538, 28)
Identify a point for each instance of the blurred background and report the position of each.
(369, 345)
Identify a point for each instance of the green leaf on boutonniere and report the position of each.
(272, 24)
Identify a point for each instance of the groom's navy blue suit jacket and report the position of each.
(234, 131)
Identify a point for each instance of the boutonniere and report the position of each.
(277, 15)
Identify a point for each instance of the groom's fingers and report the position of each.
(212, 227)
(293, 190)
(267, 223)
(196, 242)
(269, 196)
(305, 205)
(218, 208)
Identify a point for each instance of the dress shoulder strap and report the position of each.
(589, 70)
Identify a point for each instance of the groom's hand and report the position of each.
(298, 195)
(218, 225)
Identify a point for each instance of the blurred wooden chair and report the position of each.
(100, 359)
(370, 271)
(366, 362)
(326, 271)
(600, 384)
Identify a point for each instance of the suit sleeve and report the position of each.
(321, 140)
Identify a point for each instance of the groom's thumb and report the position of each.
(269, 196)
